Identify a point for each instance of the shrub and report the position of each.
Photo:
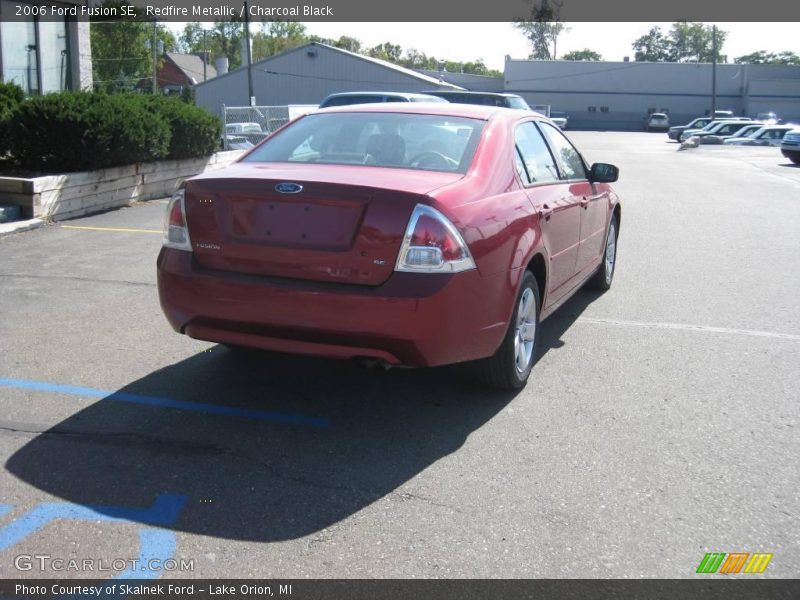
(10, 93)
(73, 131)
(195, 132)
(10, 97)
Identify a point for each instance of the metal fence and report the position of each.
(246, 126)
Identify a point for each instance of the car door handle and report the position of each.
(545, 212)
(585, 200)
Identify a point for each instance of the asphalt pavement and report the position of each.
(660, 422)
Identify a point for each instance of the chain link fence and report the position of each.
(246, 126)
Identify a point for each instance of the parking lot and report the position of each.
(661, 421)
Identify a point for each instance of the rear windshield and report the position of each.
(480, 99)
(411, 141)
(519, 103)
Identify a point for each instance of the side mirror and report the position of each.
(603, 173)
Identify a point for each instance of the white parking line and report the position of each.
(686, 327)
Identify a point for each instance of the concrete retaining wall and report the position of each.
(59, 197)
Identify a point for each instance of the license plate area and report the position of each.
(318, 225)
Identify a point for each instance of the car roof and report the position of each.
(471, 93)
(373, 93)
(469, 111)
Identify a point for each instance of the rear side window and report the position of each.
(569, 160)
(536, 158)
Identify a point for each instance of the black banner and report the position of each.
(406, 11)
(388, 589)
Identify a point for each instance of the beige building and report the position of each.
(41, 52)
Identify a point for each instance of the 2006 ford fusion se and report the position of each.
(423, 235)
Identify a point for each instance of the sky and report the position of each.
(493, 41)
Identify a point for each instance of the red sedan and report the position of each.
(420, 235)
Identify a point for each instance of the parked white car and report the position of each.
(770, 135)
(560, 119)
(712, 125)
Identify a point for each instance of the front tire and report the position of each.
(510, 367)
(604, 276)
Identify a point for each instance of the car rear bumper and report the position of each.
(412, 319)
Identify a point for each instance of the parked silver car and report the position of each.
(771, 135)
(657, 122)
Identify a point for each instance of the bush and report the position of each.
(75, 131)
(10, 97)
(195, 132)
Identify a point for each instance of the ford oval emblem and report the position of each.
(289, 188)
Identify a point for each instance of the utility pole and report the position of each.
(248, 54)
(155, 57)
(205, 55)
(713, 69)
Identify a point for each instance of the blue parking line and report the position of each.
(163, 513)
(5, 508)
(227, 411)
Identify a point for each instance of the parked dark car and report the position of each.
(790, 146)
(675, 132)
(418, 235)
(482, 98)
(348, 98)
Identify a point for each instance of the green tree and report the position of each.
(223, 38)
(349, 43)
(386, 51)
(693, 42)
(685, 42)
(584, 54)
(542, 29)
(122, 54)
(276, 37)
(762, 57)
(120, 57)
(653, 46)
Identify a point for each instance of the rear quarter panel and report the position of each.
(495, 216)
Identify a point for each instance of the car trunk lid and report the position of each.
(328, 223)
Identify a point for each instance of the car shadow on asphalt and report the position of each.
(359, 435)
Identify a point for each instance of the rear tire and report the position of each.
(604, 276)
(510, 367)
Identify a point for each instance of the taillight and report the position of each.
(176, 233)
(432, 244)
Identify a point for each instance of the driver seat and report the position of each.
(388, 149)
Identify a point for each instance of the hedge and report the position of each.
(195, 132)
(76, 131)
(10, 97)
